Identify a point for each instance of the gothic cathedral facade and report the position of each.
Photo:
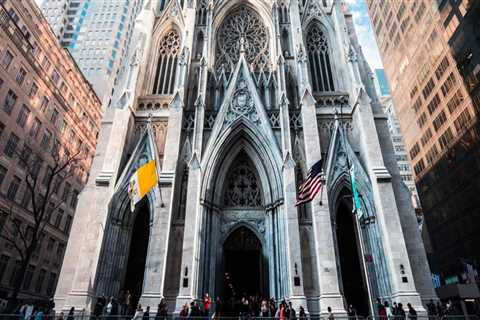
(236, 100)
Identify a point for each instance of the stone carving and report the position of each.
(170, 44)
(247, 25)
(243, 189)
(242, 104)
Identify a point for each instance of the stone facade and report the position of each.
(237, 100)
(45, 104)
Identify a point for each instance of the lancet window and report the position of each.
(242, 27)
(319, 59)
(167, 63)
(202, 12)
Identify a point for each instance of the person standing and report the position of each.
(412, 313)
(330, 314)
(146, 314)
(207, 301)
(162, 310)
(400, 312)
(302, 315)
(71, 314)
(292, 315)
(184, 312)
(121, 302)
(39, 315)
(351, 312)
(129, 302)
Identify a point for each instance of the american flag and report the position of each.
(312, 185)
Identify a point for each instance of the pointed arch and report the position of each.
(319, 54)
(243, 136)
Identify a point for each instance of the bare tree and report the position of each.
(25, 236)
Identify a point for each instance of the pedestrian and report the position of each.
(218, 308)
(121, 302)
(382, 313)
(302, 314)
(330, 314)
(162, 310)
(264, 309)
(39, 315)
(61, 316)
(351, 312)
(395, 309)
(71, 314)
(412, 313)
(388, 310)
(129, 302)
(207, 301)
(292, 315)
(184, 312)
(400, 312)
(146, 314)
(138, 313)
(431, 309)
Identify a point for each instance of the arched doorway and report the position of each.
(137, 253)
(350, 257)
(243, 264)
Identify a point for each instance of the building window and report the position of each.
(167, 63)
(11, 146)
(55, 77)
(27, 280)
(23, 116)
(54, 116)
(68, 224)
(462, 120)
(442, 67)
(60, 250)
(58, 218)
(44, 104)
(432, 154)
(74, 199)
(51, 283)
(419, 167)
(426, 137)
(66, 191)
(319, 59)
(47, 136)
(13, 188)
(14, 274)
(414, 151)
(422, 120)
(40, 280)
(427, 90)
(439, 120)
(455, 101)
(4, 259)
(448, 84)
(50, 244)
(7, 59)
(10, 100)
(33, 90)
(3, 173)
(433, 105)
(35, 129)
(21, 76)
(445, 138)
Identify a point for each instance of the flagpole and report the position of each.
(357, 222)
(157, 163)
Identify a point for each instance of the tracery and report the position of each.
(242, 26)
(167, 63)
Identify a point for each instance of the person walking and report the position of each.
(71, 314)
(162, 310)
(138, 313)
(412, 313)
(184, 312)
(129, 302)
(292, 315)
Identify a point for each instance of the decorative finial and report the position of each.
(242, 44)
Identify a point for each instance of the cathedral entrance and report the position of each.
(353, 282)
(243, 264)
(137, 254)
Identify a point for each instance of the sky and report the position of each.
(364, 31)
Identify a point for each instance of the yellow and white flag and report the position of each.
(142, 181)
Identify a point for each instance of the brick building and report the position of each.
(45, 103)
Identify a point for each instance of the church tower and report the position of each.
(236, 100)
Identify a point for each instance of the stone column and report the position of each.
(294, 257)
(396, 255)
(322, 227)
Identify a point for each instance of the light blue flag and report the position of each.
(356, 198)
